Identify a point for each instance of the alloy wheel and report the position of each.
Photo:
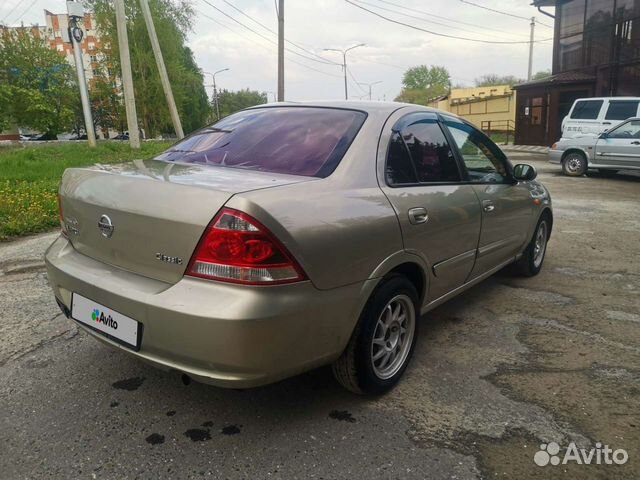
(540, 245)
(393, 336)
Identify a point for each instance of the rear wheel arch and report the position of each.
(415, 274)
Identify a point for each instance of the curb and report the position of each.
(524, 148)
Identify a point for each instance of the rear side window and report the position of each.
(420, 153)
(586, 109)
(622, 109)
(308, 141)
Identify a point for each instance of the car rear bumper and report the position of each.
(555, 156)
(222, 334)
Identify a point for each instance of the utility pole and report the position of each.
(344, 64)
(280, 50)
(166, 85)
(76, 12)
(370, 85)
(127, 77)
(533, 28)
(215, 91)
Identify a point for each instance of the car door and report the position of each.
(507, 206)
(620, 147)
(438, 212)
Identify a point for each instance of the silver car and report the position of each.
(287, 237)
(613, 150)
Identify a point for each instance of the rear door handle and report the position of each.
(418, 215)
(606, 123)
(635, 143)
(488, 206)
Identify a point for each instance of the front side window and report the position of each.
(622, 109)
(630, 130)
(419, 153)
(483, 160)
(586, 109)
(308, 141)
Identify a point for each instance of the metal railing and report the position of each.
(499, 130)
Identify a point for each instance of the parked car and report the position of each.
(596, 115)
(288, 237)
(44, 137)
(616, 149)
(121, 136)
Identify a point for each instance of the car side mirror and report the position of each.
(524, 173)
(603, 135)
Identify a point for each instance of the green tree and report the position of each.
(107, 105)
(173, 20)
(541, 75)
(493, 79)
(37, 85)
(231, 102)
(423, 83)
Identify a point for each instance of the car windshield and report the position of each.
(307, 141)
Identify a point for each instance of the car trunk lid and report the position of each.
(148, 216)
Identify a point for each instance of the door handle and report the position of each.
(418, 215)
(488, 206)
(635, 143)
(606, 123)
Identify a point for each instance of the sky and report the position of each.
(219, 42)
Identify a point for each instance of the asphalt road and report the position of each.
(508, 365)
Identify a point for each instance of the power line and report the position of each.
(13, 10)
(414, 10)
(25, 11)
(477, 40)
(262, 36)
(356, 81)
(290, 42)
(503, 13)
(413, 16)
(264, 46)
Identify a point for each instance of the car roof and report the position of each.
(607, 98)
(365, 106)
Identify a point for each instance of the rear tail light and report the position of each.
(237, 248)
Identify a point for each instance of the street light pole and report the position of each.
(76, 13)
(370, 85)
(533, 29)
(126, 75)
(344, 64)
(280, 12)
(215, 91)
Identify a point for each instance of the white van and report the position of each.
(595, 115)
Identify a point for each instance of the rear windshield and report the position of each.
(307, 141)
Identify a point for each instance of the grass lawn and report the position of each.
(30, 175)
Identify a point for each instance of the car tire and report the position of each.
(530, 263)
(574, 164)
(388, 324)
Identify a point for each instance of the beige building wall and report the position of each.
(489, 108)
